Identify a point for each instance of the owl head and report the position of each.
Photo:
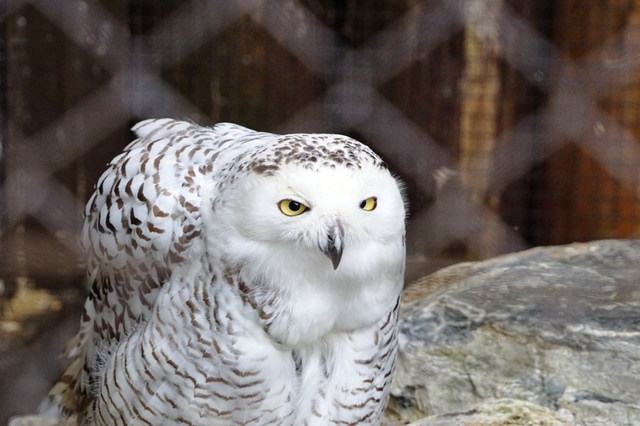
(324, 202)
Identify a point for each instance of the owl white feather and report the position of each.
(238, 278)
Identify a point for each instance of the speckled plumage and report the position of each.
(210, 305)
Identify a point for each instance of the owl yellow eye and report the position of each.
(369, 204)
(292, 208)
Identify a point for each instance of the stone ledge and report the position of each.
(558, 327)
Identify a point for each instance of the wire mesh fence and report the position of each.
(513, 123)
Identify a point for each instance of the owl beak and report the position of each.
(335, 244)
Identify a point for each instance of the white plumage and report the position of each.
(238, 278)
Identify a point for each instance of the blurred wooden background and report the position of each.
(532, 107)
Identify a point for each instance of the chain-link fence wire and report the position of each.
(513, 123)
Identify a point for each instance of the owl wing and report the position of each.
(143, 224)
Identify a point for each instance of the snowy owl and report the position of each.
(238, 278)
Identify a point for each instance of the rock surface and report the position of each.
(557, 327)
(501, 412)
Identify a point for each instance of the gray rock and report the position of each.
(501, 412)
(558, 327)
